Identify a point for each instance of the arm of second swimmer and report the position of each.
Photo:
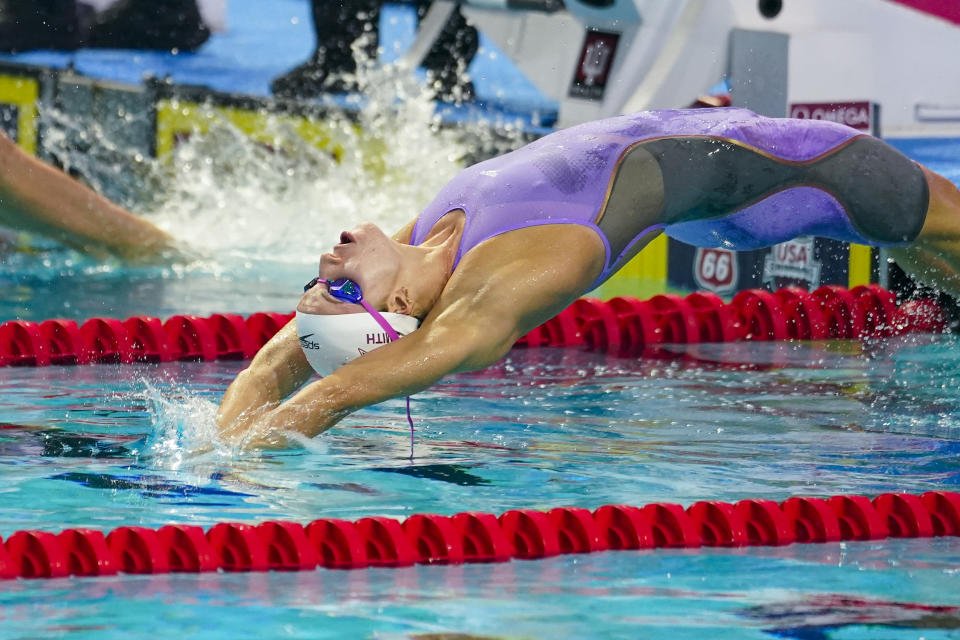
(275, 372)
(39, 198)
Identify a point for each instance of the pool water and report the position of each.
(544, 428)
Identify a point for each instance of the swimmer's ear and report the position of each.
(400, 302)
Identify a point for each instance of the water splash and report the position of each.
(245, 206)
(184, 435)
(183, 430)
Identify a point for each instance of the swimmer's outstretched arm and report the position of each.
(498, 292)
(38, 198)
(278, 369)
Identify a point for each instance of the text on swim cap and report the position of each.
(378, 338)
(306, 343)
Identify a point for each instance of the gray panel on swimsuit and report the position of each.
(635, 202)
(680, 179)
(884, 193)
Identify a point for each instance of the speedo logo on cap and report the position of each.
(306, 343)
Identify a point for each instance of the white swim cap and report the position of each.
(332, 340)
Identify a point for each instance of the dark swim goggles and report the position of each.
(341, 289)
(346, 290)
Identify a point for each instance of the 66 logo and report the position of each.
(715, 269)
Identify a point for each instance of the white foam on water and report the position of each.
(244, 206)
(183, 429)
(184, 435)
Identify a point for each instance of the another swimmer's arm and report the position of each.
(277, 369)
(488, 304)
(39, 198)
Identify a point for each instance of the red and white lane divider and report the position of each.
(625, 326)
(475, 537)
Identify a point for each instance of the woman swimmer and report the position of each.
(510, 242)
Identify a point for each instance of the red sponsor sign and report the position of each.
(593, 67)
(715, 269)
(858, 115)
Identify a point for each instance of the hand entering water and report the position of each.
(253, 429)
(184, 426)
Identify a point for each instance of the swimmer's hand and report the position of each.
(270, 428)
(236, 431)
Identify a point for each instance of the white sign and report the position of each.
(794, 260)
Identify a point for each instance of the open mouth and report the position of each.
(346, 237)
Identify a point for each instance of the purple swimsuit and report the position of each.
(710, 177)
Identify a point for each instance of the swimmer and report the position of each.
(511, 241)
(37, 198)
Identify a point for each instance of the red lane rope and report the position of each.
(625, 326)
(475, 537)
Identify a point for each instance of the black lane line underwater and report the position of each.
(818, 616)
(147, 485)
(53, 442)
(452, 473)
(57, 443)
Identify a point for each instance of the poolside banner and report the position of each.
(593, 68)
(716, 270)
(793, 260)
(861, 115)
(806, 262)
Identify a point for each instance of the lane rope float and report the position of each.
(473, 537)
(623, 326)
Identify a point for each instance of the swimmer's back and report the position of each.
(602, 175)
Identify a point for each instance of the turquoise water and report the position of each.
(544, 428)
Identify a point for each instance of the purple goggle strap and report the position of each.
(393, 336)
(380, 320)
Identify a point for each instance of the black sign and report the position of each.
(593, 67)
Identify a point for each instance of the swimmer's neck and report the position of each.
(426, 267)
(443, 241)
(447, 230)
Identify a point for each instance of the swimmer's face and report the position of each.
(366, 255)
